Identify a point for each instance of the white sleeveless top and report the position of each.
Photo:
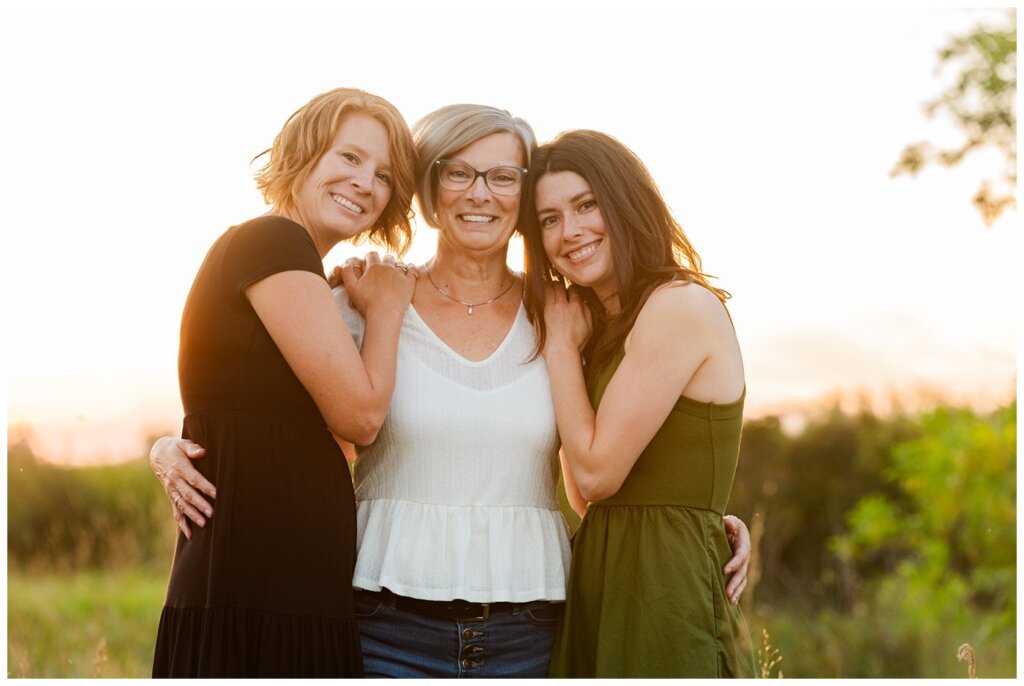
(456, 497)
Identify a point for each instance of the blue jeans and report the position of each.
(514, 642)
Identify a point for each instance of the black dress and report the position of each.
(265, 589)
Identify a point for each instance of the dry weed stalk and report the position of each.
(768, 657)
(754, 570)
(22, 664)
(100, 659)
(965, 653)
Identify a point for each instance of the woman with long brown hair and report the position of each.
(648, 388)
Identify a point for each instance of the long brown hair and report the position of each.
(649, 247)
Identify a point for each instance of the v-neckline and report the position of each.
(459, 356)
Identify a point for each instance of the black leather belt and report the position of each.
(461, 610)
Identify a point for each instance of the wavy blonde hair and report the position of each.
(308, 134)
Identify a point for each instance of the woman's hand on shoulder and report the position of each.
(378, 282)
(567, 318)
(170, 459)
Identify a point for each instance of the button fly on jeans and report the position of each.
(471, 633)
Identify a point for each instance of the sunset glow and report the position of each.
(770, 132)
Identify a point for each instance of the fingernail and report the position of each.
(202, 522)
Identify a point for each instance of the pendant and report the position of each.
(470, 310)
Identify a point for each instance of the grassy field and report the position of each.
(102, 624)
(99, 624)
(889, 543)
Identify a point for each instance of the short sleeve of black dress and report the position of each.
(227, 359)
(267, 579)
(268, 245)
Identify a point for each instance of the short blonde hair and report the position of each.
(450, 129)
(308, 134)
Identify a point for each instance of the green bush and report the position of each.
(947, 537)
(887, 543)
(63, 519)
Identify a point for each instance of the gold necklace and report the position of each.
(469, 306)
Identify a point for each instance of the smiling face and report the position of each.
(350, 185)
(476, 218)
(573, 232)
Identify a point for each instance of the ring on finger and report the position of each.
(177, 499)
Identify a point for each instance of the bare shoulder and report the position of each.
(685, 305)
(686, 327)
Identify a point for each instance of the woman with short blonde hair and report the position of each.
(307, 136)
(268, 373)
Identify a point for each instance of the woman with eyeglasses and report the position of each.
(650, 417)
(463, 553)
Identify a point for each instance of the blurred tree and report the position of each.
(981, 102)
(68, 519)
(948, 536)
(803, 486)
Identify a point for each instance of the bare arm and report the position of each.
(352, 390)
(608, 442)
(576, 501)
(601, 447)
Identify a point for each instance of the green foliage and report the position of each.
(803, 486)
(982, 103)
(888, 542)
(948, 534)
(63, 519)
(90, 624)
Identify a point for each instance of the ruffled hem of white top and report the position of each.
(480, 554)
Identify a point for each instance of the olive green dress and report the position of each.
(646, 594)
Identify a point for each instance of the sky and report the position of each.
(771, 132)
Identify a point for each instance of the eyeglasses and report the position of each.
(458, 176)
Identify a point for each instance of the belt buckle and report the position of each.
(484, 615)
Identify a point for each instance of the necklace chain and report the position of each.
(469, 306)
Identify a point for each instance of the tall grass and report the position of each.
(883, 592)
(869, 644)
(90, 624)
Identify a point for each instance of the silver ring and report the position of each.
(404, 268)
(177, 499)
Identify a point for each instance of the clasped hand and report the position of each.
(375, 281)
(567, 318)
